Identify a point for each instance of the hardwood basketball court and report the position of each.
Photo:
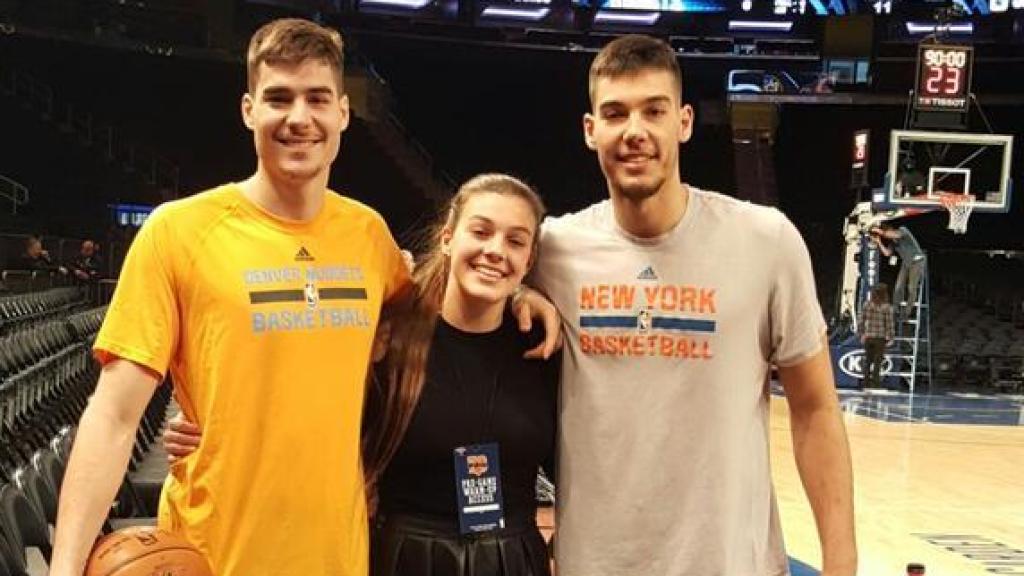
(950, 496)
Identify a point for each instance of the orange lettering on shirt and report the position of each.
(683, 348)
(651, 295)
(622, 343)
(669, 298)
(688, 300)
(587, 298)
(622, 296)
(668, 346)
(609, 345)
(603, 297)
(635, 347)
(705, 352)
(707, 300)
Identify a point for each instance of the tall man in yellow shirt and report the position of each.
(261, 299)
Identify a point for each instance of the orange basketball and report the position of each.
(145, 551)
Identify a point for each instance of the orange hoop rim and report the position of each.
(953, 199)
(959, 207)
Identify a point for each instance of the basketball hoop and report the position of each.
(959, 207)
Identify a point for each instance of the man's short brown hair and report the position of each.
(631, 54)
(291, 41)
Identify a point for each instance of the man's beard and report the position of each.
(641, 190)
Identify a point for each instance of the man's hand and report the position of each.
(529, 304)
(409, 260)
(181, 438)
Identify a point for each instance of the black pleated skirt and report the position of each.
(405, 545)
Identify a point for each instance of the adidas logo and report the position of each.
(303, 255)
(647, 274)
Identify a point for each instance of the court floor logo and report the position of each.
(852, 364)
(995, 556)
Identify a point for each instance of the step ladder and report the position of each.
(911, 352)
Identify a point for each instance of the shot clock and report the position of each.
(943, 78)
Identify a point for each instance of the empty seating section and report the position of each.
(47, 374)
(978, 321)
(26, 281)
(22, 310)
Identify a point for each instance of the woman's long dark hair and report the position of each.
(395, 391)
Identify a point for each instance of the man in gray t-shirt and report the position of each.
(677, 302)
(913, 264)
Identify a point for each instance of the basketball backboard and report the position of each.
(924, 165)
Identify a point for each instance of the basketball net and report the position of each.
(959, 207)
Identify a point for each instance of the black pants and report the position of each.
(407, 545)
(874, 355)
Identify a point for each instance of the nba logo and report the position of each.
(312, 297)
(643, 321)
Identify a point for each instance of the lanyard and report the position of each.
(486, 425)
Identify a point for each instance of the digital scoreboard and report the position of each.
(943, 78)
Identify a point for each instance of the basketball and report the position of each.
(145, 551)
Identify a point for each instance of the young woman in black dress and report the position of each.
(454, 376)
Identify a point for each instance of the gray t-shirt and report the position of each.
(663, 441)
(907, 248)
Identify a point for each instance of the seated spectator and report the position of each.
(35, 257)
(86, 266)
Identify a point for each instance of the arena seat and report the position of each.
(35, 488)
(17, 281)
(47, 374)
(21, 523)
(12, 563)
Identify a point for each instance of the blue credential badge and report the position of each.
(478, 488)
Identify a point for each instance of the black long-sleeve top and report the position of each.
(452, 412)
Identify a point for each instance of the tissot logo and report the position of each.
(852, 364)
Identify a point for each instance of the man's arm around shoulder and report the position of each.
(99, 459)
(823, 458)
